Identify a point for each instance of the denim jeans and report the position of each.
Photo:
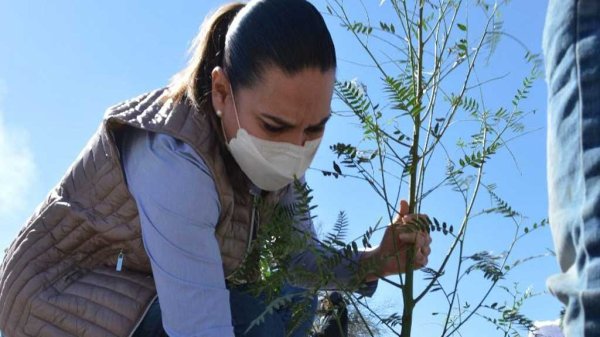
(244, 309)
(572, 55)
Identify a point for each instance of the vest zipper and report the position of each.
(120, 259)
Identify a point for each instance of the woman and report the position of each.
(161, 203)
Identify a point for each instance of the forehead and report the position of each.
(300, 96)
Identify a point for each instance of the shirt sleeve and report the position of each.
(344, 273)
(179, 209)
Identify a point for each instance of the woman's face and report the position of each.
(280, 107)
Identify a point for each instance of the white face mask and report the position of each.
(270, 165)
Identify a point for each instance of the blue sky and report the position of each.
(64, 62)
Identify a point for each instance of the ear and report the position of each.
(220, 88)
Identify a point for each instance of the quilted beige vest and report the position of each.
(58, 277)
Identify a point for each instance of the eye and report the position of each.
(273, 128)
(316, 129)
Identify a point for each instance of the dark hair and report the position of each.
(245, 39)
(289, 34)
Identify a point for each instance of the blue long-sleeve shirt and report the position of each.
(179, 210)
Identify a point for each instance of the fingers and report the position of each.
(422, 255)
(421, 259)
(404, 218)
(408, 238)
(426, 250)
(419, 239)
(403, 208)
(421, 242)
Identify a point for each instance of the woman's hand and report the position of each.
(390, 258)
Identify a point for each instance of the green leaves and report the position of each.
(535, 226)
(359, 28)
(460, 48)
(392, 320)
(527, 84)
(351, 156)
(387, 27)
(469, 104)
(366, 239)
(477, 159)
(337, 171)
(488, 264)
(355, 97)
(444, 228)
(336, 168)
(344, 150)
(510, 318)
(271, 308)
(402, 96)
(365, 29)
(502, 207)
(434, 52)
(340, 229)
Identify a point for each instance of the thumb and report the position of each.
(403, 208)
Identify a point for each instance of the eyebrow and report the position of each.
(284, 123)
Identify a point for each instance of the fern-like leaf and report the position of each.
(340, 229)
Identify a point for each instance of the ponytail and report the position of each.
(194, 81)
